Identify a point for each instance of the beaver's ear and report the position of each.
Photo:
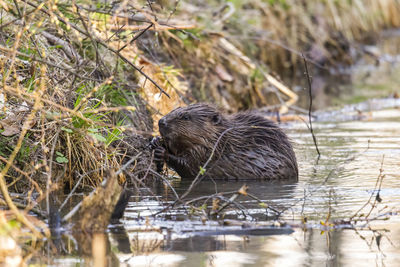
(216, 119)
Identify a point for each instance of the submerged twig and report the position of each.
(242, 190)
(378, 186)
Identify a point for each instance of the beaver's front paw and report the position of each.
(160, 156)
(156, 142)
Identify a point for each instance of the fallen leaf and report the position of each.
(10, 131)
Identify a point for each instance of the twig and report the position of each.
(199, 175)
(174, 10)
(263, 202)
(3, 186)
(128, 163)
(14, 21)
(135, 37)
(23, 206)
(35, 184)
(169, 185)
(210, 196)
(378, 185)
(73, 190)
(95, 45)
(310, 106)
(49, 173)
(66, 46)
(70, 70)
(231, 200)
(17, 7)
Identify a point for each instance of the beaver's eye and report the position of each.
(186, 117)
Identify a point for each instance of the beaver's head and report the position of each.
(187, 127)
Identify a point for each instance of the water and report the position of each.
(335, 186)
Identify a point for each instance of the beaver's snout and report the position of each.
(162, 126)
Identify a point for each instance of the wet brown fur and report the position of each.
(249, 146)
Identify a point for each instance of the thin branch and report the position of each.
(230, 200)
(378, 185)
(136, 37)
(3, 186)
(49, 173)
(310, 106)
(70, 70)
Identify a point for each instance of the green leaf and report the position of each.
(62, 160)
(59, 154)
(66, 130)
(202, 170)
(93, 130)
(14, 224)
(98, 137)
(182, 35)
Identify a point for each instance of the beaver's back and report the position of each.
(254, 148)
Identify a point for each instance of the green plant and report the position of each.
(61, 158)
(114, 134)
(109, 93)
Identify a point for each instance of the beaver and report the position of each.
(239, 146)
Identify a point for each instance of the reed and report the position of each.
(285, 29)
